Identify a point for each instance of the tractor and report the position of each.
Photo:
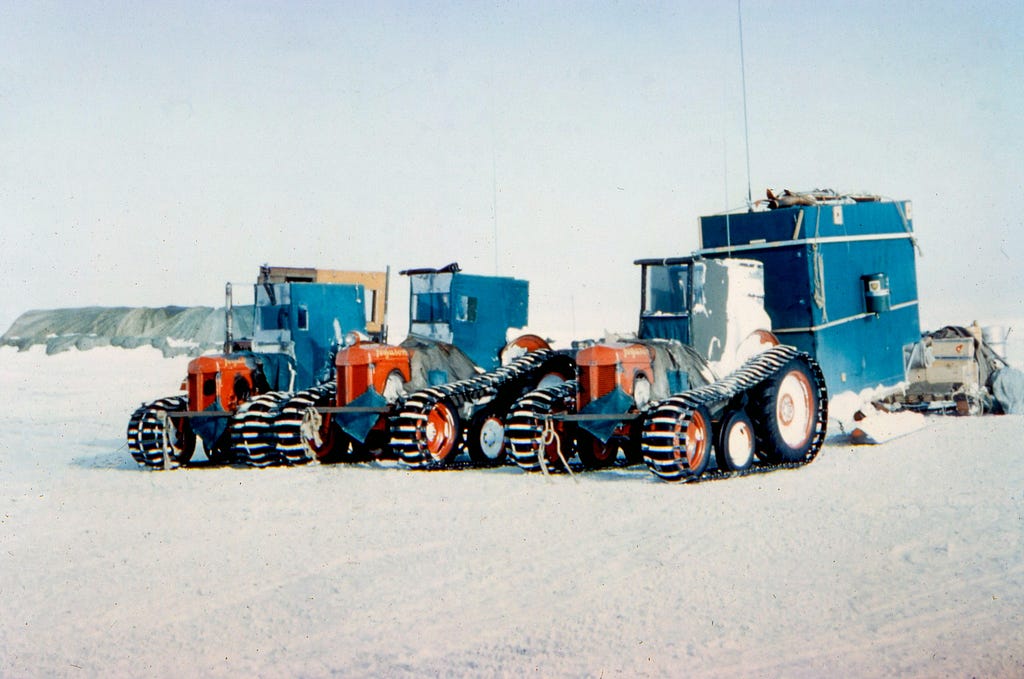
(230, 400)
(448, 386)
(702, 371)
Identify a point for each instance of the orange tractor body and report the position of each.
(227, 379)
(605, 367)
(369, 364)
(614, 378)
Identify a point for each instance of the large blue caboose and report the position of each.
(840, 281)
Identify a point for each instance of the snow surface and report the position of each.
(900, 559)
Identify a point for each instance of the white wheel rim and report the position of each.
(492, 438)
(740, 444)
(793, 409)
(550, 380)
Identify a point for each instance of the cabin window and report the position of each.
(431, 307)
(302, 318)
(465, 310)
(667, 289)
(371, 307)
(273, 317)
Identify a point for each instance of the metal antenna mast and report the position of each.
(743, 75)
(494, 197)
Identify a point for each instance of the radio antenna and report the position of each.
(743, 76)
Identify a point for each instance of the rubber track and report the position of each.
(291, 443)
(251, 429)
(146, 431)
(526, 420)
(408, 439)
(662, 419)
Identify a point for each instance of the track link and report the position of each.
(662, 422)
(409, 438)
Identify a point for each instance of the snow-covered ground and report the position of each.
(901, 559)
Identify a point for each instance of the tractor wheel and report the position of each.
(182, 440)
(632, 445)
(693, 442)
(556, 370)
(157, 440)
(303, 433)
(353, 451)
(537, 441)
(561, 445)
(347, 449)
(253, 432)
(487, 439)
(785, 413)
(220, 453)
(320, 438)
(734, 445)
(377, 445)
(521, 346)
(596, 455)
(677, 441)
(344, 449)
(441, 433)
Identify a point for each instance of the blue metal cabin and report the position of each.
(305, 314)
(472, 312)
(840, 282)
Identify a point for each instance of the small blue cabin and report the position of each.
(840, 281)
(472, 312)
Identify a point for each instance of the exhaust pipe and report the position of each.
(384, 321)
(228, 319)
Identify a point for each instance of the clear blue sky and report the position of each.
(151, 151)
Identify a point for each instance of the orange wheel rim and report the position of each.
(440, 431)
(530, 342)
(694, 444)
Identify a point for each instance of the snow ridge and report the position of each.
(174, 330)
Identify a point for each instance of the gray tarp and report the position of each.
(1008, 389)
(436, 363)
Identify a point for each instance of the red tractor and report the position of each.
(444, 388)
(347, 420)
(232, 399)
(658, 399)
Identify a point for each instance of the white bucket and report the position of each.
(995, 336)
